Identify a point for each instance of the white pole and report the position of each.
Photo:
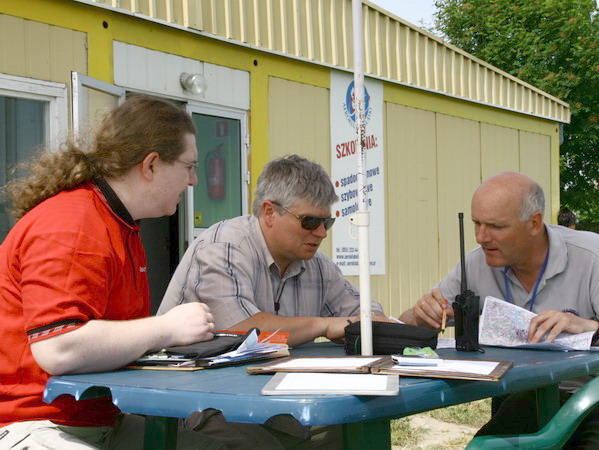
(362, 217)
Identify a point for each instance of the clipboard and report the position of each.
(452, 368)
(148, 367)
(303, 383)
(227, 348)
(200, 364)
(320, 364)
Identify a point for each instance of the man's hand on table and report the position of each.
(553, 323)
(335, 327)
(188, 323)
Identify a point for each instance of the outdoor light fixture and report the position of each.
(194, 83)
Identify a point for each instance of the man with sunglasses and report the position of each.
(264, 270)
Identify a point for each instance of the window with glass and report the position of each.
(218, 194)
(23, 131)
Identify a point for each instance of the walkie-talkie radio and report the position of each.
(465, 307)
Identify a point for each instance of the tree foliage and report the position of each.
(553, 45)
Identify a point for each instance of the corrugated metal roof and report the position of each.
(321, 31)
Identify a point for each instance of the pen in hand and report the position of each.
(444, 320)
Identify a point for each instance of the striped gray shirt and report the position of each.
(230, 269)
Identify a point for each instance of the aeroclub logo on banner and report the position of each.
(350, 102)
(344, 170)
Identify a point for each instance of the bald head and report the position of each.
(514, 191)
(507, 212)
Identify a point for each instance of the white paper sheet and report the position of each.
(477, 367)
(335, 363)
(333, 382)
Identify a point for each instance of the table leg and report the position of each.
(375, 434)
(547, 403)
(160, 433)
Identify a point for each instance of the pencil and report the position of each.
(444, 320)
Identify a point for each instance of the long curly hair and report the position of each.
(124, 137)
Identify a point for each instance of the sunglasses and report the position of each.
(310, 223)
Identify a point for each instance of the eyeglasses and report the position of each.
(191, 167)
(310, 223)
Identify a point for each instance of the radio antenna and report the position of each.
(464, 284)
(466, 307)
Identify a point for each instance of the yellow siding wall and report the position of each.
(458, 152)
(412, 216)
(535, 161)
(321, 31)
(298, 122)
(500, 149)
(36, 50)
(434, 164)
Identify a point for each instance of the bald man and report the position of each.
(550, 270)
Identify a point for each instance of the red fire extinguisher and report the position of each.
(215, 173)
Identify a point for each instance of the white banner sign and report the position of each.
(344, 164)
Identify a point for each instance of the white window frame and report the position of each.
(80, 81)
(54, 94)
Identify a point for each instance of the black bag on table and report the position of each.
(390, 338)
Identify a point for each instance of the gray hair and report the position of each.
(291, 178)
(533, 200)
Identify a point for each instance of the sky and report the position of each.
(413, 11)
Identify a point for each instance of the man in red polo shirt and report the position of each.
(73, 285)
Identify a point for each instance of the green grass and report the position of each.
(403, 434)
(474, 414)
